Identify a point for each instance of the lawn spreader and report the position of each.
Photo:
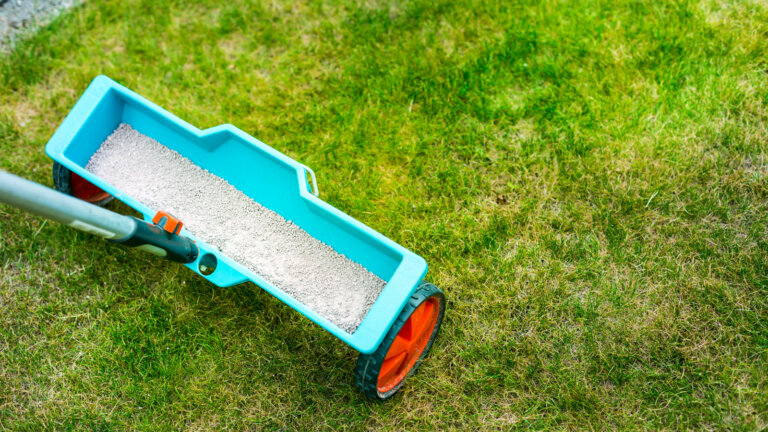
(395, 334)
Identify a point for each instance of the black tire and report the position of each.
(62, 181)
(369, 365)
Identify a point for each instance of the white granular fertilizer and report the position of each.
(252, 235)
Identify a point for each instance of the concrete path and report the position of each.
(20, 16)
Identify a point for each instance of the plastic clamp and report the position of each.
(167, 222)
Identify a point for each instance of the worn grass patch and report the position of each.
(588, 181)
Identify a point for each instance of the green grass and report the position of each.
(588, 182)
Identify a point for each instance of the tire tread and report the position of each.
(368, 365)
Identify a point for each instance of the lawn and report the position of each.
(587, 181)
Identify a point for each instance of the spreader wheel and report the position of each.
(381, 374)
(72, 184)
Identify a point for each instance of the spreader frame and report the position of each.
(268, 176)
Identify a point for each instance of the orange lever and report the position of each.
(167, 222)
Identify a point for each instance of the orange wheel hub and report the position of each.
(86, 191)
(408, 345)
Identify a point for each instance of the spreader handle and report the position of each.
(130, 231)
(50, 204)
